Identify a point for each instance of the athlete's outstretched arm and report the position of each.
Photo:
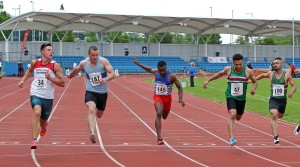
(146, 68)
(264, 75)
(76, 69)
(27, 74)
(217, 75)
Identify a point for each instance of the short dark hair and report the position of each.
(277, 58)
(94, 48)
(161, 63)
(45, 45)
(237, 57)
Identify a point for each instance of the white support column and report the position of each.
(100, 39)
(254, 52)
(205, 49)
(158, 49)
(111, 48)
(60, 47)
(6, 50)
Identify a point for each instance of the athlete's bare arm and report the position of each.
(180, 90)
(59, 79)
(27, 74)
(251, 76)
(108, 68)
(77, 69)
(146, 68)
(225, 71)
(292, 83)
(264, 75)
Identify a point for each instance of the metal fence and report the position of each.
(191, 51)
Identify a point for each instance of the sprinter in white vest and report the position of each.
(47, 74)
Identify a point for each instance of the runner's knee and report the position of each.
(36, 113)
(274, 116)
(91, 109)
(158, 115)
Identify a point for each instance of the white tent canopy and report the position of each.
(103, 23)
(55, 21)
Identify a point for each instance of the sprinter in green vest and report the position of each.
(238, 75)
(278, 99)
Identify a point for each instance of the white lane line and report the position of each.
(33, 150)
(13, 110)
(209, 131)
(13, 93)
(169, 146)
(102, 145)
(103, 148)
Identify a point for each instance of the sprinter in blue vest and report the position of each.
(162, 97)
(96, 69)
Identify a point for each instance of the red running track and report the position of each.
(195, 135)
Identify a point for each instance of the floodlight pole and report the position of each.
(32, 5)
(210, 12)
(231, 36)
(15, 9)
(293, 24)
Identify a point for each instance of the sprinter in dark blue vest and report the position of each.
(164, 81)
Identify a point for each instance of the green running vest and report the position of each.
(237, 85)
(278, 87)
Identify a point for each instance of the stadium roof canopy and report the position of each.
(102, 23)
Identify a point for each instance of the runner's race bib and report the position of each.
(161, 89)
(278, 90)
(41, 82)
(237, 89)
(95, 78)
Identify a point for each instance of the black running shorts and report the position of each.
(97, 98)
(279, 104)
(236, 104)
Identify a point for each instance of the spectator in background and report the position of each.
(74, 64)
(20, 68)
(192, 71)
(0, 68)
(293, 71)
(0, 64)
(28, 65)
(249, 64)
